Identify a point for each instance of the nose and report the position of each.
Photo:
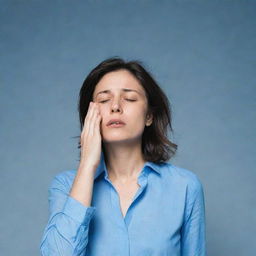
(116, 107)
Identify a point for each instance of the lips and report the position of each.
(112, 121)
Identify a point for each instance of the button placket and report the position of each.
(115, 200)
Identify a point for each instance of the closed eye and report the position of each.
(103, 101)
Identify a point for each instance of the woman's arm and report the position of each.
(66, 232)
(193, 240)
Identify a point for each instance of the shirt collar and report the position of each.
(102, 167)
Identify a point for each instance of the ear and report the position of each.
(149, 119)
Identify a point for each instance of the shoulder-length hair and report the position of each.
(156, 147)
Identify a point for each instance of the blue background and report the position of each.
(202, 53)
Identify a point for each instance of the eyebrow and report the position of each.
(123, 89)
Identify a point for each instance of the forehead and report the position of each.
(117, 81)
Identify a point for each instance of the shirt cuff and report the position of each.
(78, 211)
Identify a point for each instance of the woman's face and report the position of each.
(120, 96)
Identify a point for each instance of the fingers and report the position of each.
(97, 122)
(97, 119)
(92, 119)
(87, 118)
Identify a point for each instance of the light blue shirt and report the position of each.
(165, 218)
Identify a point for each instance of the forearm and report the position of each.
(82, 187)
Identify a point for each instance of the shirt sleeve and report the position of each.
(193, 240)
(66, 232)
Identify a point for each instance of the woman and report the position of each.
(124, 198)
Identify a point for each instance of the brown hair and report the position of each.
(156, 147)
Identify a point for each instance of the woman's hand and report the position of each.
(91, 137)
(82, 187)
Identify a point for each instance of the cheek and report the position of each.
(137, 119)
(104, 115)
(102, 111)
(137, 113)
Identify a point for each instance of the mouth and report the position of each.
(116, 125)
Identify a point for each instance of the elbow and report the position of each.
(53, 243)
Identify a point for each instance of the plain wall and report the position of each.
(202, 53)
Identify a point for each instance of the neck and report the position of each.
(123, 163)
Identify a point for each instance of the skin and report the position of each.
(123, 145)
(124, 159)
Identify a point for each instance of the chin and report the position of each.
(120, 139)
(113, 139)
